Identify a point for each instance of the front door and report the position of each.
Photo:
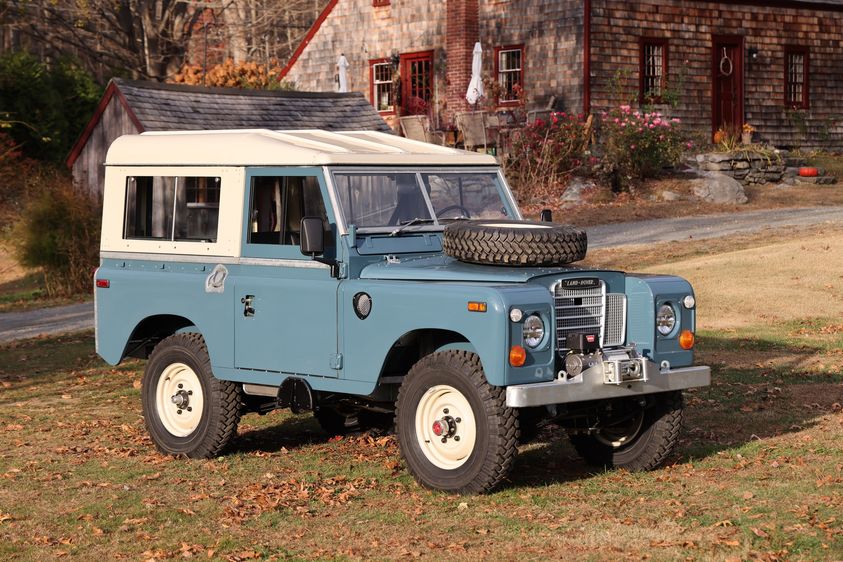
(417, 83)
(286, 303)
(727, 81)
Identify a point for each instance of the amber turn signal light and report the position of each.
(517, 356)
(476, 306)
(686, 339)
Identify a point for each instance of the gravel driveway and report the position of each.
(76, 317)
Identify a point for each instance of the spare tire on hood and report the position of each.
(518, 243)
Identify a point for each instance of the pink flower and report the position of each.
(689, 145)
(626, 108)
(675, 120)
(661, 137)
(617, 120)
(651, 126)
(640, 129)
(632, 147)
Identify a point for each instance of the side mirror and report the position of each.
(547, 215)
(312, 236)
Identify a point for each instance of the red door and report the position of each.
(416, 83)
(727, 83)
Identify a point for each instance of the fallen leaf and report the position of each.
(748, 495)
(759, 533)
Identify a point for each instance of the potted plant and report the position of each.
(746, 133)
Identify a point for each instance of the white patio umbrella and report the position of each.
(475, 87)
(342, 73)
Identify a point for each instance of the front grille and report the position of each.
(590, 311)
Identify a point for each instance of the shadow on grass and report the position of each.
(291, 434)
(746, 403)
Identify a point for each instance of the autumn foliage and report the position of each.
(235, 75)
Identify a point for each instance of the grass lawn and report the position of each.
(758, 473)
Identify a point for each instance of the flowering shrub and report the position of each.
(544, 153)
(637, 145)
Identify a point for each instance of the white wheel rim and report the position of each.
(179, 400)
(439, 403)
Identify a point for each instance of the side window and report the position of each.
(278, 205)
(176, 208)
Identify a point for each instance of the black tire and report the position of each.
(342, 420)
(495, 433)
(648, 448)
(220, 400)
(518, 243)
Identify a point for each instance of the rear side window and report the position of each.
(177, 208)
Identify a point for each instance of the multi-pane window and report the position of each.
(175, 208)
(653, 70)
(797, 67)
(417, 83)
(381, 75)
(509, 69)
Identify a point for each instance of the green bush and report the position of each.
(44, 108)
(636, 145)
(59, 232)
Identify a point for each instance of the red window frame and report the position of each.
(643, 78)
(497, 70)
(372, 92)
(380, 3)
(804, 100)
(414, 82)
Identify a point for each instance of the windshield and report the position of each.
(381, 200)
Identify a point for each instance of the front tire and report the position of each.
(187, 410)
(642, 441)
(454, 429)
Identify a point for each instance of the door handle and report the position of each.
(248, 309)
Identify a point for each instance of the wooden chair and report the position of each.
(472, 125)
(536, 114)
(417, 127)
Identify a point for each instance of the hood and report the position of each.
(445, 268)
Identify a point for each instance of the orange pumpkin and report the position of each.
(808, 172)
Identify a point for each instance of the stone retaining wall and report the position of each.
(747, 167)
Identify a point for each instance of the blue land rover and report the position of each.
(378, 282)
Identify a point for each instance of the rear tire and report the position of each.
(446, 396)
(187, 410)
(642, 443)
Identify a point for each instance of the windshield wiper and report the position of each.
(407, 224)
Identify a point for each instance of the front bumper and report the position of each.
(590, 386)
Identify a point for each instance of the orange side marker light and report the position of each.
(686, 339)
(517, 356)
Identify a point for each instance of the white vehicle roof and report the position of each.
(262, 147)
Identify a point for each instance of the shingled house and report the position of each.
(132, 107)
(773, 63)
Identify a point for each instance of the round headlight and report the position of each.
(533, 331)
(665, 319)
(689, 302)
(516, 315)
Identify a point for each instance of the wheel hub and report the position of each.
(445, 427)
(181, 399)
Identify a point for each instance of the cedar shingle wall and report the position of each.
(551, 31)
(617, 26)
(552, 34)
(363, 33)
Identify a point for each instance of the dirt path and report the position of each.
(65, 319)
(708, 226)
(46, 321)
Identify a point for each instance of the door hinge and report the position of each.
(335, 361)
